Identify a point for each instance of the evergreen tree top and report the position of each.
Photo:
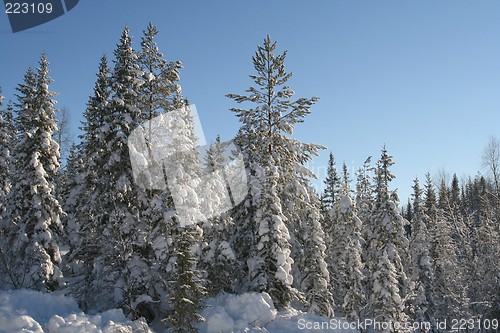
(444, 198)
(384, 176)
(332, 184)
(34, 104)
(125, 59)
(274, 115)
(331, 171)
(42, 73)
(430, 193)
(97, 102)
(149, 49)
(44, 106)
(101, 85)
(362, 178)
(270, 67)
(215, 159)
(272, 95)
(345, 187)
(160, 90)
(417, 196)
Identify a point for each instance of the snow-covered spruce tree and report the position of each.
(354, 283)
(331, 193)
(72, 180)
(71, 196)
(345, 187)
(421, 302)
(315, 275)
(329, 198)
(12, 277)
(7, 141)
(407, 211)
(334, 229)
(90, 156)
(264, 135)
(271, 262)
(63, 138)
(461, 222)
(246, 214)
(449, 292)
(159, 94)
(187, 288)
(387, 304)
(455, 192)
(364, 202)
(160, 91)
(335, 226)
(478, 203)
(218, 257)
(485, 290)
(355, 298)
(349, 267)
(431, 211)
(443, 195)
(364, 191)
(387, 250)
(33, 210)
(119, 266)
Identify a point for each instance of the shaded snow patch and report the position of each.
(33, 311)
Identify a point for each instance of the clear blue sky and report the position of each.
(422, 77)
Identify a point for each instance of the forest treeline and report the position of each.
(95, 232)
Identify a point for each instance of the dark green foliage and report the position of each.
(187, 287)
(331, 192)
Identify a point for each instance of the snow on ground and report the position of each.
(32, 311)
(255, 312)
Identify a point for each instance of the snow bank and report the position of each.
(255, 312)
(237, 313)
(32, 311)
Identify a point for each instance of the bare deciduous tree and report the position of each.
(491, 161)
(63, 135)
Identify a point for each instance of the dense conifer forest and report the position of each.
(90, 227)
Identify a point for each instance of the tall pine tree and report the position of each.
(331, 192)
(264, 137)
(34, 212)
(187, 288)
(7, 141)
(387, 246)
(90, 157)
(118, 267)
(422, 276)
(271, 261)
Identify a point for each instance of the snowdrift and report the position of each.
(255, 312)
(31, 311)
